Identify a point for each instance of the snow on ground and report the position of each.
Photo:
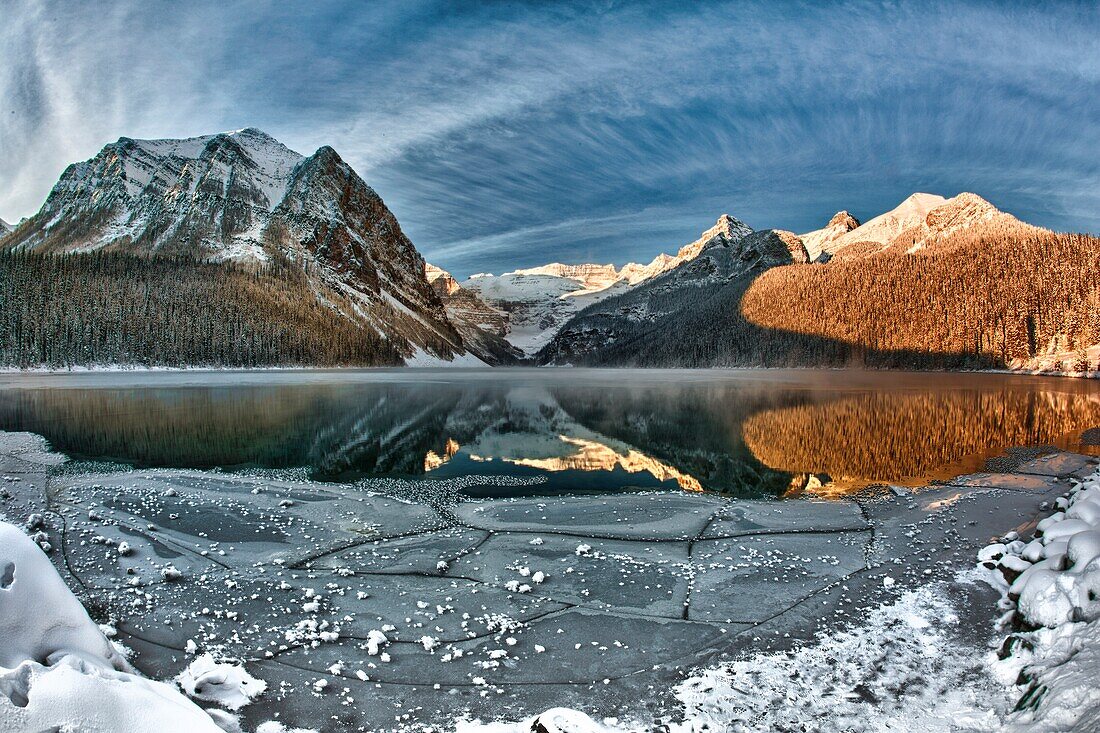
(57, 669)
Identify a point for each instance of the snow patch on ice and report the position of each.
(903, 669)
(224, 683)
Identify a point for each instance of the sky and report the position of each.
(508, 134)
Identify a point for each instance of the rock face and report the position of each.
(730, 252)
(5, 228)
(243, 197)
(482, 326)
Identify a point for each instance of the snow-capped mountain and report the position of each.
(535, 305)
(919, 221)
(245, 197)
(538, 301)
(730, 254)
(5, 228)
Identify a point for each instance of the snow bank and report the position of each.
(57, 669)
(1051, 586)
(421, 359)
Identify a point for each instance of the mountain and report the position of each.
(482, 327)
(244, 199)
(918, 221)
(538, 301)
(5, 228)
(729, 255)
(534, 305)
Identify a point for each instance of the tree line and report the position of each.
(108, 308)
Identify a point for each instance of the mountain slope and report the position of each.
(114, 308)
(731, 256)
(482, 327)
(243, 197)
(535, 304)
(5, 228)
(981, 296)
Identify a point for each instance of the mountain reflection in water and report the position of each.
(744, 433)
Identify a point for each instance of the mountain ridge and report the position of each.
(537, 301)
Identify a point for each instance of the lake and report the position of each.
(743, 433)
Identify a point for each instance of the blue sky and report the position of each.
(506, 134)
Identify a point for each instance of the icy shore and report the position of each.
(390, 605)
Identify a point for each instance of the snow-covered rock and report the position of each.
(1052, 585)
(1055, 580)
(224, 683)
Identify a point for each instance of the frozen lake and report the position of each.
(398, 549)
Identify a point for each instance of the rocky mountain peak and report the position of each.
(244, 197)
(962, 210)
(842, 220)
(441, 280)
(727, 226)
(795, 247)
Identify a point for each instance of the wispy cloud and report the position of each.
(522, 133)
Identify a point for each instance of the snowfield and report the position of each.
(265, 603)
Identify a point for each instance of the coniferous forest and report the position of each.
(993, 297)
(110, 308)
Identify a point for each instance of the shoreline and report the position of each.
(465, 367)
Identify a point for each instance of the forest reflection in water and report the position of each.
(750, 434)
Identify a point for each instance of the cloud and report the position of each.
(523, 133)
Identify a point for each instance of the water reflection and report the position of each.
(909, 437)
(748, 436)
